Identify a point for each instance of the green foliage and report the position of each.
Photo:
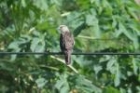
(98, 26)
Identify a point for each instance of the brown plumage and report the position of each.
(66, 43)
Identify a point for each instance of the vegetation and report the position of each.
(98, 26)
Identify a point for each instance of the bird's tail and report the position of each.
(68, 57)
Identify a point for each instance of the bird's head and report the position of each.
(63, 29)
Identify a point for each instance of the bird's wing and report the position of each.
(62, 44)
(69, 40)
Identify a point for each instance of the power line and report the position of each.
(59, 53)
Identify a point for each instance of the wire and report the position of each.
(60, 53)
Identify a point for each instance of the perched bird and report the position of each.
(66, 42)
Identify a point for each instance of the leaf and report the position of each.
(108, 8)
(14, 56)
(15, 48)
(97, 68)
(37, 45)
(110, 65)
(34, 43)
(86, 85)
(125, 31)
(62, 84)
(111, 89)
(117, 75)
(128, 33)
(78, 30)
(135, 66)
(91, 20)
(14, 45)
(23, 3)
(42, 4)
(41, 82)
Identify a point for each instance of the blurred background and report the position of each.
(97, 26)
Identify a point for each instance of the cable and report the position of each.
(60, 53)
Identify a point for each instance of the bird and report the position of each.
(66, 42)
